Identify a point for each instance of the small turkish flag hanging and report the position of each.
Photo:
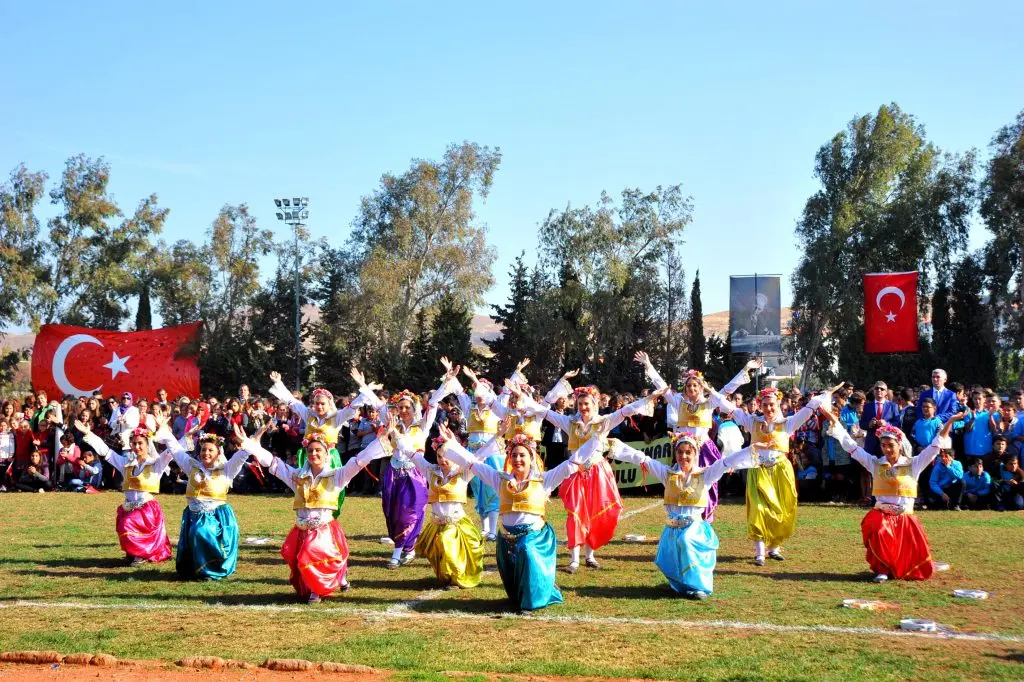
(77, 361)
(890, 312)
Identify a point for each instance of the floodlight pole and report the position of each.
(293, 216)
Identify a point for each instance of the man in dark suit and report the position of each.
(878, 412)
(945, 399)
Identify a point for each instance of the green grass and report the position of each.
(60, 548)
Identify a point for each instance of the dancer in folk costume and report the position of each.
(315, 550)
(896, 544)
(484, 415)
(322, 416)
(771, 485)
(590, 494)
(688, 548)
(450, 541)
(140, 520)
(690, 412)
(208, 538)
(403, 489)
(526, 549)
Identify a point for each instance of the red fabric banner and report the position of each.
(890, 312)
(77, 361)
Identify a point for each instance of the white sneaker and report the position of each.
(408, 558)
(880, 578)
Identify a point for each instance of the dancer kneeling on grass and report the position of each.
(208, 539)
(316, 550)
(451, 542)
(140, 520)
(526, 542)
(688, 548)
(771, 485)
(896, 544)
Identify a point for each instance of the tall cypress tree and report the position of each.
(698, 348)
(940, 322)
(514, 343)
(144, 315)
(972, 353)
(451, 331)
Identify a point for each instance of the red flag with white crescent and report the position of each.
(890, 312)
(76, 361)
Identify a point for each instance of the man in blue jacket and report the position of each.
(878, 411)
(945, 399)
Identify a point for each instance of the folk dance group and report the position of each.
(511, 487)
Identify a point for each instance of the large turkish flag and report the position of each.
(77, 361)
(890, 312)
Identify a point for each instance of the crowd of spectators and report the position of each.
(40, 450)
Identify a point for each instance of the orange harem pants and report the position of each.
(592, 500)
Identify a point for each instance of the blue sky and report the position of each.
(230, 102)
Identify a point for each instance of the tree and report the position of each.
(341, 337)
(451, 332)
(21, 266)
(942, 332)
(416, 239)
(144, 313)
(698, 351)
(1002, 207)
(972, 353)
(183, 283)
(514, 344)
(422, 360)
(606, 260)
(271, 319)
(889, 201)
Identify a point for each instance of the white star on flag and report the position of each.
(890, 317)
(117, 365)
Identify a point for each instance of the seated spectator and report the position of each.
(1000, 446)
(6, 451)
(90, 473)
(36, 476)
(68, 457)
(977, 487)
(1010, 487)
(946, 483)
(809, 483)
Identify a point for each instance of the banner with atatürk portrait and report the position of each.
(755, 307)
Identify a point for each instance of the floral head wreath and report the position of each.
(317, 392)
(692, 374)
(315, 438)
(525, 441)
(212, 438)
(889, 431)
(587, 391)
(143, 432)
(486, 383)
(680, 438)
(769, 393)
(437, 443)
(404, 395)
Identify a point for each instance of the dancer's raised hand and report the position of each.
(275, 376)
(571, 374)
(522, 364)
(642, 358)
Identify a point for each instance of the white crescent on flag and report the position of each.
(60, 377)
(883, 292)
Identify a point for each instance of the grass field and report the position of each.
(64, 586)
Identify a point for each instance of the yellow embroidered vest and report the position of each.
(452, 491)
(323, 495)
(482, 421)
(774, 436)
(322, 426)
(897, 481)
(698, 417)
(579, 434)
(142, 479)
(212, 485)
(532, 499)
(529, 427)
(693, 495)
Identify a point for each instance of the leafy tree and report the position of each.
(451, 333)
(341, 337)
(698, 350)
(21, 266)
(272, 324)
(1002, 207)
(416, 239)
(183, 283)
(889, 201)
(972, 353)
(421, 359)
(941, 330)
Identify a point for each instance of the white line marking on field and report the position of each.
(462, 615)
(404, 606)
(641, 510)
